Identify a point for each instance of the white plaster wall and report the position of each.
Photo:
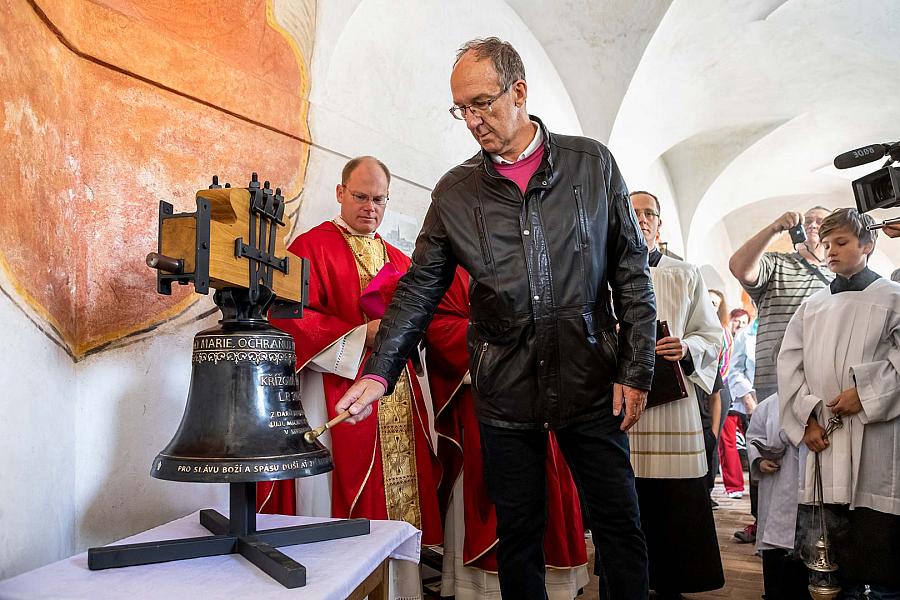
(37, 446)
(380, 86)
(880, 262)
(788, 86)
(596, 47)
(77, 439)
(130, 404)
(717, 249)
(318, 203)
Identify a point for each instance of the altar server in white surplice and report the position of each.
(841, 356)
(667, 450)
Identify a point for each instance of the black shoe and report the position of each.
(747, 535)
(714, 504)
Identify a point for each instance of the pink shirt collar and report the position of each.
(536, 143)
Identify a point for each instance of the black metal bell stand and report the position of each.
(234, 535)
(237, 533)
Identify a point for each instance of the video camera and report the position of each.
(880, 189)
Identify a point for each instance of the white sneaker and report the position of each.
(735, 495)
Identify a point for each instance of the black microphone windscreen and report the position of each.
(860, 156)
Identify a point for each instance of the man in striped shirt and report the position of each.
(778, 283)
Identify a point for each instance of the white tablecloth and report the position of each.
(333, 568)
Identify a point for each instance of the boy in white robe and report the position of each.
(841, 356)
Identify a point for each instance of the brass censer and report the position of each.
(823, 583)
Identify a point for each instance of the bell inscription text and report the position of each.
(244, 420)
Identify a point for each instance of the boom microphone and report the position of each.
(861, 156)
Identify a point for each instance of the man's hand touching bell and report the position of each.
(359, 398)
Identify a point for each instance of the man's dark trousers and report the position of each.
(598, 456)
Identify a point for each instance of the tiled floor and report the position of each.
(743, 569)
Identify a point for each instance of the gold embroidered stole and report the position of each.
(395, 412)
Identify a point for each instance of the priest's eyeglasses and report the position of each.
(476, 109)
(364, 198)
(647, 212)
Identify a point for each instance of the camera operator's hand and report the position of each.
(786, 221)
(892, 231)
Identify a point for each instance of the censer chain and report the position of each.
(834, 422)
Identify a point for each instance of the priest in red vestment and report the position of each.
(386, 467)
(470, 540)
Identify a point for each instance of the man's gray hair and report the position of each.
(507, 61)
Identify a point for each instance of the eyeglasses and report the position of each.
(476, 109)
(364, 198)
(647, 212)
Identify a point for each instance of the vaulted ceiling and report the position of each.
(733, 110)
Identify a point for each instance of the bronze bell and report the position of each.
(243, 420)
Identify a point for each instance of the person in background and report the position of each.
(667, 444)
(545, 350)
(714, 407)
(718, 300)
(892, 231)
(743, 401)
(738, 318)
(720, 406)
(470, 519)
(386, 468)
(774, 462)
(778, 282)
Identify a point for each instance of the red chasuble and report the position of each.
(459, 449)
(333, 312)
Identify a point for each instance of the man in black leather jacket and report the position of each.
(543, 225)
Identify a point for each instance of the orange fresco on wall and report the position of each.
(110, 107)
